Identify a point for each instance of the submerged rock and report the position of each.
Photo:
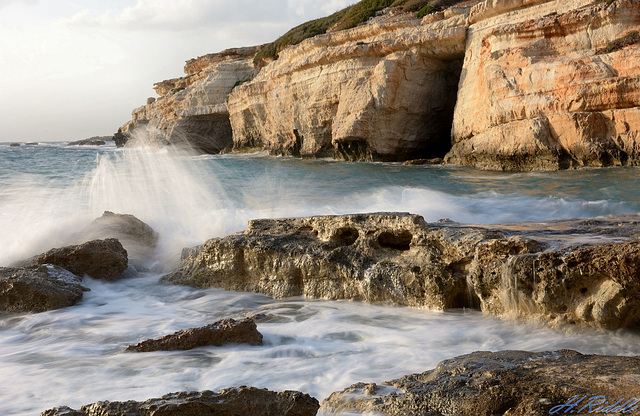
(227, 402)
(137, 237)
(563, 271)
(94, 141)
(38, 288)
(502, 383)
(100, 259)
(226, 331)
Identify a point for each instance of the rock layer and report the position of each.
(226, 331)
(536, 85)
(385, 90)
(100, 259)
(502, 383)
(576, 271)
(228, 402)
(38, 288)
(549, 85)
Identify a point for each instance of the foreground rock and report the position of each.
(565, 271)
(503, 383)
(38, 288)
(137, 237)
(228, 402)
(226, 331)
(100, 259)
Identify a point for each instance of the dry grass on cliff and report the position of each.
(344, 19)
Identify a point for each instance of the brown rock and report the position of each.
(38, 288)
(227, 402)
(226, 331)
(565, 271)
(500, 383)
(100, 259)
(138, 238)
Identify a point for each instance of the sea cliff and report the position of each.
(497, 84)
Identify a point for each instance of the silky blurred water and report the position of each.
(73, 356)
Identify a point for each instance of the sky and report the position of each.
(70, 70)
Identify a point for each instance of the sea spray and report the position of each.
(165, 187)
(73, 356)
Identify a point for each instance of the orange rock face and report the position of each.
(549, 85)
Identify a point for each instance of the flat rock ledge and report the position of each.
(502, 383)
(38, 288)
(226, 331)
(228, 402)
(565, 271)
(101, 259)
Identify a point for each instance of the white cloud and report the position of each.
(5, 3)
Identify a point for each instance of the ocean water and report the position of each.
(73, 356)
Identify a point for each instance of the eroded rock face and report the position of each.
(585, 271)
(38, 288)
(501, 383)
(226, 331)
(228, 402)
(100, 259)
(191, 110)
(384, 90)
(549, 85)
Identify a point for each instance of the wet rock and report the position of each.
(500, 383)
(226, 331)
(137, 237)
(121, 137)
(93, 141)
(566, 271)
(227, 402)
(100, 259)
(38, 288)
(417, 162)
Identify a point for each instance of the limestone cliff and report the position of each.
(549, 85)
(385, 90)
(192, 109)
(498, 84)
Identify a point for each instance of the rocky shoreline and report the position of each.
(576, 271)
(496, 84)
(557, 272)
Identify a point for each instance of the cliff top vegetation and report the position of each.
(346, 18)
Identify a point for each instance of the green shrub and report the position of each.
(617, 44)
(297, 35)
(428, 9)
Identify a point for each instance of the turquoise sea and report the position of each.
(73, 356)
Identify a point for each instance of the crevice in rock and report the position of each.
(396, 240)
(345, 236)
(354, 150)
(209, 133)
